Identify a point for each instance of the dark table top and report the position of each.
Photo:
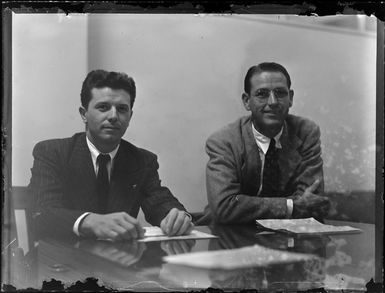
(345, 261)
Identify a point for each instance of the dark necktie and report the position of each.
(102, 182)
(270, 172)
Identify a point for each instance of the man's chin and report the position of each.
(110, 138)
(272, 122)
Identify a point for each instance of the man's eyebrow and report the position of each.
(123, 105)
(101, 103)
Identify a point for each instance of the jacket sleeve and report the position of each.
(223, 182)
(47, 188)
(158, 200)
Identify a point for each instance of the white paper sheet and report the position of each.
(156, 234)
(305, 226)
(251, 256)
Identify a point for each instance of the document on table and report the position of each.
(308, 226)
(245, 257)
(156, 234)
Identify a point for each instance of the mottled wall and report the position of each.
(189, 71)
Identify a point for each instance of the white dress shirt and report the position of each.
(94, 155)
(263, 143)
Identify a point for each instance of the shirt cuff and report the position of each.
(75, 228)
(289, 208)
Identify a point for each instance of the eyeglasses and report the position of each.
(264, 94)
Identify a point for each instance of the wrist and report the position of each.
(289, 208)
(85, 226)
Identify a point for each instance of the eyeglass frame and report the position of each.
(279, 94)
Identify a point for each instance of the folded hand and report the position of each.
(176, 223)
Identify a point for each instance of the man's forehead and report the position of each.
(265, 78)
(107, 92)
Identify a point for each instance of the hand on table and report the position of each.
(114, 226)
(176, 223)
(309, 204)
(177, 246)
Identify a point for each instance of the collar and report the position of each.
(95, 152)
(263, 141)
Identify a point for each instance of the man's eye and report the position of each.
(102, 107)
(262, 93)
(123, 109)
(280, 93)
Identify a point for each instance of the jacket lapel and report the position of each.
(126, 178)
(289, 158)
(251, 168)
(82, 175)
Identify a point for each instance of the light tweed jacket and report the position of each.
(234, 166)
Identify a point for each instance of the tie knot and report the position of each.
(103, 159)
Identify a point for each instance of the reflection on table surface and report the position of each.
(342, 262)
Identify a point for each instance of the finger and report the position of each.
(129, 229)
(178, 223)
(139, 231)
(111, 234)
(169, 221)
(185, 226)
(314, 186)
(189, 230)
(163, 225)
(121, 233)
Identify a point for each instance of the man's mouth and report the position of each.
(111, 127)
(270, 112)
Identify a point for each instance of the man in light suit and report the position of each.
(268, 164)
(94, 183)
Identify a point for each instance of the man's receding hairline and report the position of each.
(260, 71)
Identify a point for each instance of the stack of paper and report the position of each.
(246, 257)
(156, 234)
(304, 226)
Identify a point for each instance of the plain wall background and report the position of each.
(189, 72)
(49, 63)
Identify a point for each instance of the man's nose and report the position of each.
(113, 115)
(272, 99)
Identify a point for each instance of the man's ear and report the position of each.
(245, 100)
(132, 113)
(291, 96)
(82, 112)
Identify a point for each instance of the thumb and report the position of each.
(314, 186)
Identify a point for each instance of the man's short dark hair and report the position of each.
(102, 78)
(262, 67)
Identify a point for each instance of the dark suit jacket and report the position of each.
(64, 183)
(234, 166)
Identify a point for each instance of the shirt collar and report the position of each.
(263, 141)
(95, 152)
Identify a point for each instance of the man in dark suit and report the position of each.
(94, 183)
(266, 165)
